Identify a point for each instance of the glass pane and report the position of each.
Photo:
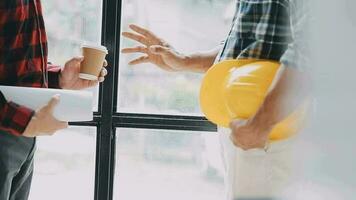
(68, 24)
(163, 165)
(65, 165)
(189, 26)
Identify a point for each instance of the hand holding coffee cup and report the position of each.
(94, 59)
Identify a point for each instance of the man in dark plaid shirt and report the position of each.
(23, 62)
(261, 29)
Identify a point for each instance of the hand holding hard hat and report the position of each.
(235, 89)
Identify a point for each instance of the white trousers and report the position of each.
(256, 173)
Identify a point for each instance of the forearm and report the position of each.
(201, 62)
(289, 91)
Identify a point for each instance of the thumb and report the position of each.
(52, 103)
(76, 59)
(157, 49)
(237, 123)
(62, 125)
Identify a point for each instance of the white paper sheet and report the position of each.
(73, 106)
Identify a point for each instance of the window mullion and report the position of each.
(106, 140)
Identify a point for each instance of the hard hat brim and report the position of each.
(211, 95)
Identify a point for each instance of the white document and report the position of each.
(73, 106)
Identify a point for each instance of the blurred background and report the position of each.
(327, 147)
(150, 164)
(158, 164)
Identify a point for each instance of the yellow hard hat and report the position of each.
(235, 89)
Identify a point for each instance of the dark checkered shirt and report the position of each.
(261, 29)
(23, 58)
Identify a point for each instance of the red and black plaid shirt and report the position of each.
(23, 58)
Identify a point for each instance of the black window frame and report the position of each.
(108, 117)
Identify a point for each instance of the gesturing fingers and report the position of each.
(136, 37)
(143, 31)
(138, 49)
(142, 59)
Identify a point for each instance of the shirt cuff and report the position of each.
(14, 118)
(53, 76)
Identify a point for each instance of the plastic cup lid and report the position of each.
(94, 46)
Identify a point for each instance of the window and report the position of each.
(67, 160)
(189, 26)
(160, 164)
(69, 26)
(65, 165)
(143, 137)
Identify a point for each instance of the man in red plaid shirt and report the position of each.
(23, 62)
